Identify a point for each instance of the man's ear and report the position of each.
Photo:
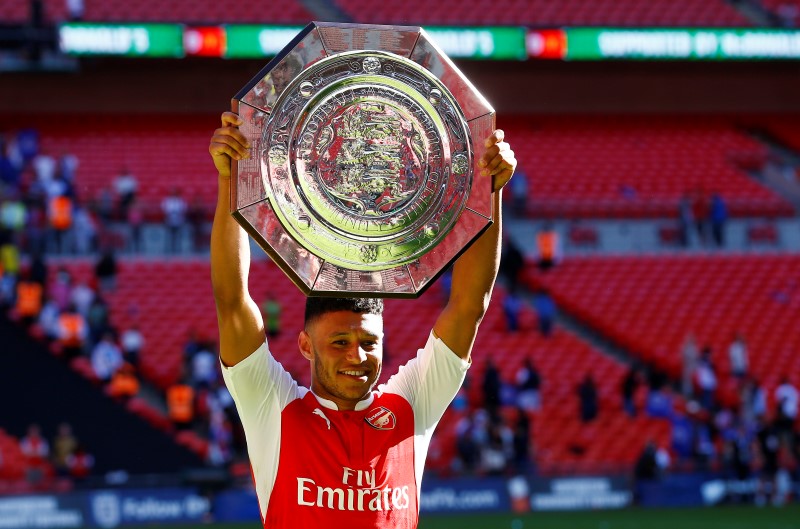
(304, 344)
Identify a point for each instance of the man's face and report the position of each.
(346, 352)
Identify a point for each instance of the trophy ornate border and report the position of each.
(363, 177)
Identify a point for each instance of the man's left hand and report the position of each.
(498, 160)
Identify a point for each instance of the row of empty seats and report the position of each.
(478, 12)
(650, 305)
(198, 11)
(637, 166)
(548, 12)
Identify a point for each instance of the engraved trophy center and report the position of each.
(370, 157)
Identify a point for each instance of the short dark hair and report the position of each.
(317, 306)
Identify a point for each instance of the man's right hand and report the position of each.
(228, 143)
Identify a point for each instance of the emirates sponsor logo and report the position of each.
(381, 418)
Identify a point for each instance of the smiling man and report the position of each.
(343, 453)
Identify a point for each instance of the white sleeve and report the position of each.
(429, 382)
(261, 389)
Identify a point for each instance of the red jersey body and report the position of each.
(317, 466)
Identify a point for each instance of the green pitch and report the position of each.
(711, 518)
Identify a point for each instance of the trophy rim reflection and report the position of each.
(363, 177)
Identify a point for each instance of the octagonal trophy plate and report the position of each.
(362, 178)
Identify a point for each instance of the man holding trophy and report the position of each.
(344, 453)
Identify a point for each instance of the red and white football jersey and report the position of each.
(317, 466)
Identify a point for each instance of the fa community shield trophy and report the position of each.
(362, 178)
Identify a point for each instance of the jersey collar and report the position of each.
(360, 405)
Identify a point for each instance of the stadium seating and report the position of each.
(636, 166)
(548, 12)
(199, 11)
(560, 439)
(649, 305)
(577, 166)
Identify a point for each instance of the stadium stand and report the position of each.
(548, 12)
(578, 166)
(649, 305)
(638, 167)
(201, 11)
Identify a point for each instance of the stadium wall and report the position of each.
(200, 86)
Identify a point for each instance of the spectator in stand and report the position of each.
(529, 383)
(706, 377)
(80, 463)
(10, 262)
(48, 319)
(126, 186)
(132, 342)
(548, 247)
(104, 205)
(689, 358)
(769, 444)
(512, 262)
(72, 332)
(787, 400)
(753, 400)
(685, 220)
(737, 354)
(628, 390)
(135, 223)
(12, 215)
(492, 385)
(521, 443)
(105, 270)
(718, 218)
(205, 367)
(36, 451)
(174, 209)
(512, 307)
(38, 269)
(519, 193)
(60, 217)
(75, 10)
(98, 319)
(124, 385)
(197, 217)
(701, 213)
(81, 297)
(545, 308)
(44, 168)
(64, 445)
(36, 230)
(29, 299)
(498, 449)
(587, 393)
(67, 168)
(180, 405)
(271, 312)
(106, 358)
(84, 231)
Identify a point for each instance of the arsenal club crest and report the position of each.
(381, 418)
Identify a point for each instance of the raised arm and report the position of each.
(475, 271)
(241, 327)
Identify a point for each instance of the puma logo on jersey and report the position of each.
(318, 411)
(381, 418)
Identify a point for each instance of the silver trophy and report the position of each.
(363, 176)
